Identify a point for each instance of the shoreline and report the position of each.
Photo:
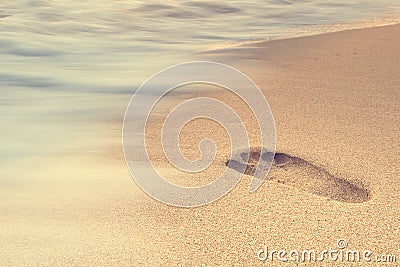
(301, 32)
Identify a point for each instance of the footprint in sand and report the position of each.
(299, 173)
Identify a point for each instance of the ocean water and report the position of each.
(69, 66)
(104, 45)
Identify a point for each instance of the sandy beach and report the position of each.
(335, 99)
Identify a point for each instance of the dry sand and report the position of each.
(335, 98)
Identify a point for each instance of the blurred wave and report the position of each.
(77, 31)
(60, 38)
(81, 60)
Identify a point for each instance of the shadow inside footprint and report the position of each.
(299, 173)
